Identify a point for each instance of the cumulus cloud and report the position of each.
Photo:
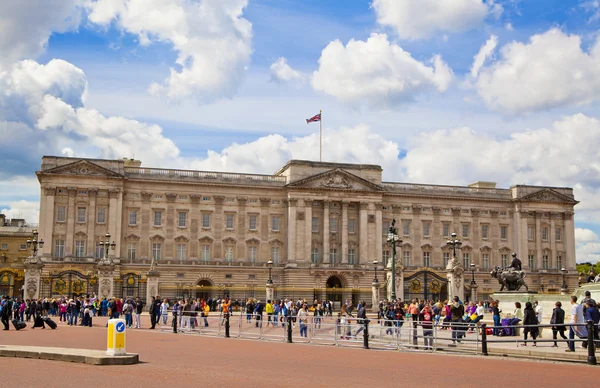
(25, 26)
(587, 245)
(282, 72)
(485, 52)
(27, 210)
(377, 72)
(212, 40)
(550, 71)
(417, 19)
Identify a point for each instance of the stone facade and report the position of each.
(322, 224)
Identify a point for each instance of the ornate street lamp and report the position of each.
(375, 263)
(270, 266)
(473, 274)
(393, 240)
(34, 243)
(564, 283)
(106, 245)
(455, 243)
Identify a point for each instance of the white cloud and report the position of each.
(377, 72)
(485, 52)
(282, 72)
(587, 246)
(212, 40)
(508, 26)
(27, 210)
(25, 26)
(593, 7)
(549, 71)
(417, 19)
(583, 236)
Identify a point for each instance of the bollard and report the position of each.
(590, 344)
(115, 343)
(289, 329)
(484, 349)
(175, 321)
(226, 325)
(366, 334)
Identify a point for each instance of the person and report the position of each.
(592, 314)
(518, 312)
(269, 309)
(225, 309)
(457, 310)
(496, 316)
(205, 311)
(558, 320)
(591, 276)
(529, 320)
(6, 311)
(258, 312)
(361, 315)
(139, 306)
(576, 320)
(427, 324)
(515, 264)
(303, 320)
(586, 299)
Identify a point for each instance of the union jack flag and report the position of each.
(314, 119)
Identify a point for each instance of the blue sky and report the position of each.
(398, 82)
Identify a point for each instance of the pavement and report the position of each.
(84, 356)
(167, 358)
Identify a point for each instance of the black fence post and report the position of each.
(484, 349)
(590, 344)
(289, 329)
(227, 325)
(366, 334)
(175, 321)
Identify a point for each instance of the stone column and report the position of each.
(569, 238)
(345, 233)
(114, 221)
(291, 240)
(152, 287)
(106, 280)
(270, 291)
(144, 221)
(538, 240)
(71, 220)
(308, 230)
(33, 278)
(241, 229)
(378, 233)
(325, 232)
(90, 245)
(474, 292)
(170, 222)
(46, 222)
(375, 296)
(552, 239)
(455, 275)
(195, 227)
(363, 236)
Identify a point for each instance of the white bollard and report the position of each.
(115, 342)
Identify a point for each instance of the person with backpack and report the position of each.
(139, 307)
(127, 310)
(427, 325)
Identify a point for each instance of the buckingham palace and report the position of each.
(311, 229)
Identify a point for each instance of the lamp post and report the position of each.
(473, 274)
(34, 243)
(270, 266)
(473, 283)
(393, 240)
(375, 263)
(106, 245)
(563, 288)
(455, 243)
(270, 294)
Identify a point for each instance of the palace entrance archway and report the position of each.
(334, 289)
(426, 285)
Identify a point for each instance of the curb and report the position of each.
(82, 356)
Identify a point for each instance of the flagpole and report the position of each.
(321, 137)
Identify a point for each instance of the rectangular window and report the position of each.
(385, 258)
(332, 256)
(252, 225)
(205, 252)
(315, 224)
(503, 232)
(157, 218)
(351, 256)
(558, 233)
(531, 261)
(315, 255)
(229, 221)
(99, 253)
(79, 248)
(61, 214)
(181, 252)
(333, 225)
(504, 258)
(426, 228)
(467, 261)
(406, 258)
(252, 254)
(4, 247)
(465, 230)
(545, 262)
(131, 251)
(275, 223)
(352, 226)
(545, 233)
(531, 233)
(485, 259)
(59, 248)
(156, 251)
(206, 220)
(406, 227)
(81, 212)
(275, 255)
(132, 217)
(484, 231)
(101, 216)
(182, 219)
(385, 227)
(22, 247)
(446, 229)
(426, 259)
(559, 261)
(446, 258)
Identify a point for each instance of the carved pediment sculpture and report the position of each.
(548, 195)
(336, 181)
(82, 167)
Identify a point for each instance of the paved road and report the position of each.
(169, 359)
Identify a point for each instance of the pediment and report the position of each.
(82, 167)
(548, 195)
(336, 179)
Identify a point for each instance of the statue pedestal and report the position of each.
(106, 283)
(270, 291)
(473, 292)
(152, 285)
(456, 286)
(507, 301)
(375, 296)
(593, 288)
(399, 282)
(33, 279)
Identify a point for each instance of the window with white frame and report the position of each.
(504, 259)
(445, 229)
(467, 261)
(156, 251)
(133, 217)
(314, 253)
(79, 248)
(131, 251)
(181, 252)
(465, 230)
(406, 227)
(558, 232)
(275, 255)
(485, 260)
(559, 261)
(101, 215)
(446, 257)
(531, 233)
(352, 226)
(252, 253)
(545, 262)
(503, 232)
(275, 223)
(315, 224)
(484, 231)
(332, 255)
(385, 257)
(229, 221)
(426, 228)
(81, 214)
(99, 252)
(406, 258)
(157, 218)
(182, 219)
(333, 225)
(351, 256)
(531, 261)
(59, 248)
(544, 233)
(252, 222)
(426, 259)
(205, 252)
(61, 214)
(206, 220)
(385, 227)
(4, 247)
